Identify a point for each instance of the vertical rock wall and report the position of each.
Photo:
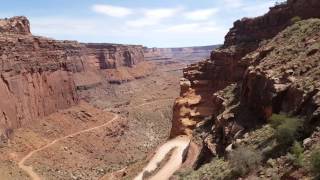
(113, 56)
(225, 65)
(36, 74)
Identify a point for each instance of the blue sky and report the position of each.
(153, 23)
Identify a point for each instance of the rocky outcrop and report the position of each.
(185, 54)
(267, 26)
(15, 25)
(118, 63)
(112, 56)
(36, 74)
(284, 74)
(253, 94)
(39, 76)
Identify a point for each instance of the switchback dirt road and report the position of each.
(29, 170)
(180, 145)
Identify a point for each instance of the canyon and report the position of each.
(39, 76)
(188, 54)
(268, 65)
(247, 109)
(75, 110)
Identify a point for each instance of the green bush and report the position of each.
(217, 169)
(286, 128)
(243, 160)
(295, 19)
(296, 154)
(315, 162)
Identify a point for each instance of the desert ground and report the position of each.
(114, 127)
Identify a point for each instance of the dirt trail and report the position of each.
(152, 102)
(180, 144)
(29, 170)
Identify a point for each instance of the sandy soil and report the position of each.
(75, 144)
(179, 144)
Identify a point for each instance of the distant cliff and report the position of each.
(181, 54)
(112, 56)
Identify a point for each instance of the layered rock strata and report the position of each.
(185, 54)
(254, 95)
(36, 74)
(112, 56)
(39, 76)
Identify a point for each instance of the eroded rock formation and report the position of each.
(36, 74)
(39, 76)
(15, 25)
(112, 56)
(242, 89)
(191, 54)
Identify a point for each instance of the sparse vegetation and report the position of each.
(296, 155)
(295, 19)
(286, 128)
(315, 162)
(243, 160)
(217, 169)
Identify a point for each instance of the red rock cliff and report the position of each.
(15, 25)
(39, 76)
(202, 81)
(112, 56)
(36, 74)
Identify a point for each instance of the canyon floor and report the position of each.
(115, 127)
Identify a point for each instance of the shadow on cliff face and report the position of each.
(102, 60)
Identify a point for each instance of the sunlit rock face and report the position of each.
(40, 76)
(111, 56)
(236, 76)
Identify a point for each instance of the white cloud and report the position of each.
(142, 22)
(161, 13)
(199, 15)
(58, 25)
(233, 3)
(194, 28)
(113, 11)
(153, 17)
(257, 10)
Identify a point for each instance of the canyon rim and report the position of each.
(247, 108)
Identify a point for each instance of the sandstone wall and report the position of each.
(36, 75)
(112, 56)
(225, 66)
(15, 25)
(39, 76)
(183, 53)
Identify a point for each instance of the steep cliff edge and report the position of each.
(282, 78)
(184, 54)
(36, 74)
(118, 63)
(225, 67)
(39, 76)
(112, 56)
(15, 25)
(268, 65)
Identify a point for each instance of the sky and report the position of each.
(152, 23)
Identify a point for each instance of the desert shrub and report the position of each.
(296, 154)
(243, 160)
(286, 128)
(217, 169)
(286, 132)
(295, 19)
(315, 162)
